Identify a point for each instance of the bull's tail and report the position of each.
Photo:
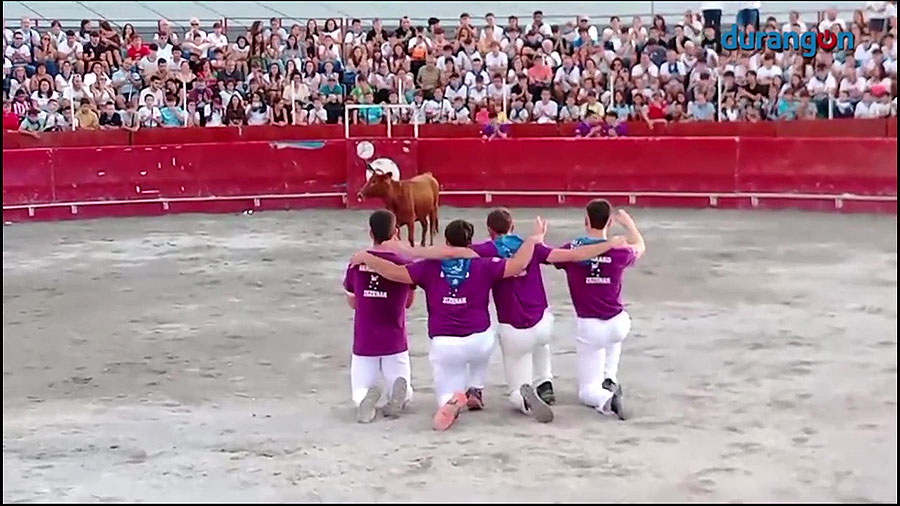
(436, 188)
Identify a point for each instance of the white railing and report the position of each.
(387, 108)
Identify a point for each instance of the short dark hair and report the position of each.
(598, 211)
(382, 224)
(459, 233)
(500, 221)
(153, 46)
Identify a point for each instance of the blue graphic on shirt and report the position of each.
(508, 244)
(587, 241)
(455, 271)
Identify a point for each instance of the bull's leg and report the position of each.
(424, 224)
(411, 230)
(433, 222)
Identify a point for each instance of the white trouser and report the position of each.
(598, 347)
(526, 356)
(459, 363)
(367, 372)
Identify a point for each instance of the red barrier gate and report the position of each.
(826, 174)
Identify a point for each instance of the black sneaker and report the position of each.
(545, 392)
(616, 404)
(474, 399)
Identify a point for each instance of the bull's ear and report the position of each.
(390, 175)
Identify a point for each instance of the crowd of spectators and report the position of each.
(484, 71)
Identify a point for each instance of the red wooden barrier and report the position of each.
(830, 166)
(533, 130)
(858, 174)
(832, 128)
(652, 164)
(293, 132)
(449, 131)
(892, 127)
(28, 176)
(171, 136)
(15, 140)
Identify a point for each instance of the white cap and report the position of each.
(195, 20)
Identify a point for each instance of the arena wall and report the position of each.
(827, 174)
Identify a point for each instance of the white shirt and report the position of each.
(877, 10)
(218, 41)
(164, 52)
(281, 32)
(816, 86)
(544, 30)
(214, 117)
(189, 35)
(866, 111)
(317, 116)
(438, 111)
(451, 94)
(568, 78)
(859, 85)
(788, 27)
(520, 116)
(355, 38)
(545, 113)
(766, 74)
(678, 69)
(67, 52)
(749, 5)
(479, 96)
(639, 70)
(710, 6)
(147, 66)
(500, 61)
(470, 78)
(22, 50)
(498, 94)
(826, 24)
(460, 115)
(159, 96)
(145, 115)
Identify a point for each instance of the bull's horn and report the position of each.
(369, 168)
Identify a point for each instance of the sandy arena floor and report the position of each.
(205, 358)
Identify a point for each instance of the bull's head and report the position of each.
(379, 184)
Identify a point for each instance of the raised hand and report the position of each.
(624, 218)
(540, 230)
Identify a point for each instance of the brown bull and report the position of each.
(411, 200)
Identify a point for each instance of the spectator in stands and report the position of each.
(493, 129)
(54, 121)
(172, 116)
(149, 114)
(85, 117)
(46, 54)
(129, 117)
(235, 114)
(545, 110)
(109, 118)
(700, 109)
(32, 124)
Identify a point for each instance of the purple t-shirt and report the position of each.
(463, 311)
(490, 130)
(520, 300)
(379, 326)
(596, 288)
